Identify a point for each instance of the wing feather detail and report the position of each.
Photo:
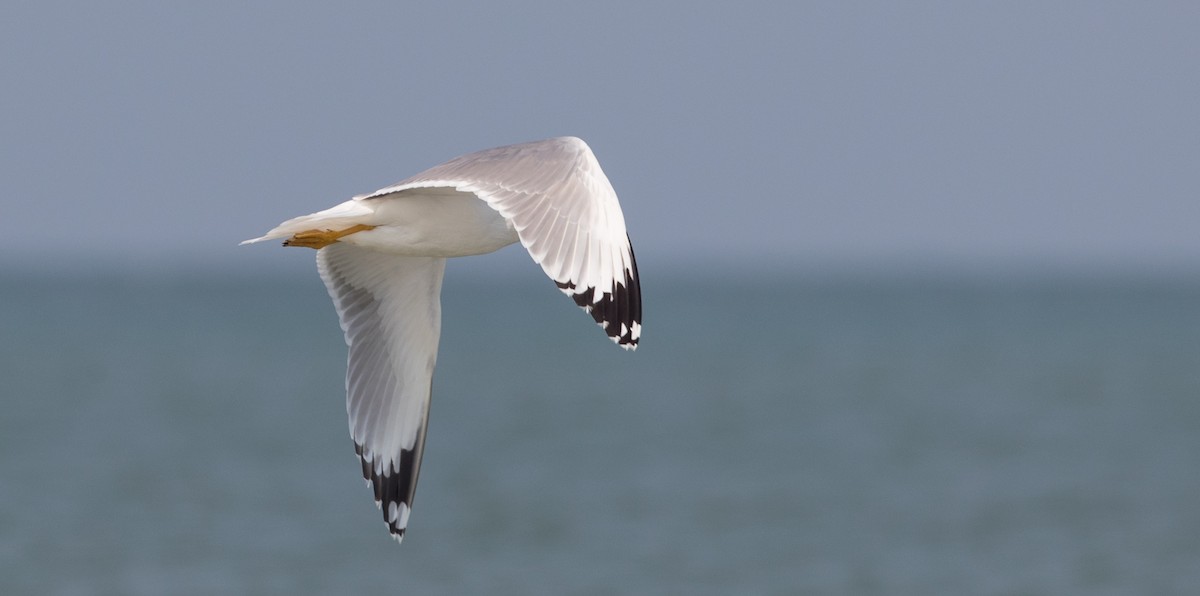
(566, 214)
(390, 311)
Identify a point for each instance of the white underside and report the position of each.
(422, 222)
(434, 222)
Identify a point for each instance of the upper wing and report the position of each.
(390, 311)
(567, 216)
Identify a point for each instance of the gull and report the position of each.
(382, 256)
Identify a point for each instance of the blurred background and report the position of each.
(920, 285)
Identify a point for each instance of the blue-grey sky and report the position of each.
(776, 133)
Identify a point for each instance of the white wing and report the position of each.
(567, 216)
(390, 311)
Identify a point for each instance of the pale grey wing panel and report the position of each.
(390, 310)
(567, 216)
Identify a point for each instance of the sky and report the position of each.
(754, 135)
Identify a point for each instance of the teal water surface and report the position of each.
(187, 435)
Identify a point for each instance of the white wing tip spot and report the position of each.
(398, 514)
(397, 520)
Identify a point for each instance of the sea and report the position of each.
(776, 433)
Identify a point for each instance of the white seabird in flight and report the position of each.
(382, 255)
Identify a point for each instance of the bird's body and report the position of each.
(382, 256)
(427, 222)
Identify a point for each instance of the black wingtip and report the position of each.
(394, 485)
(619, 310)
